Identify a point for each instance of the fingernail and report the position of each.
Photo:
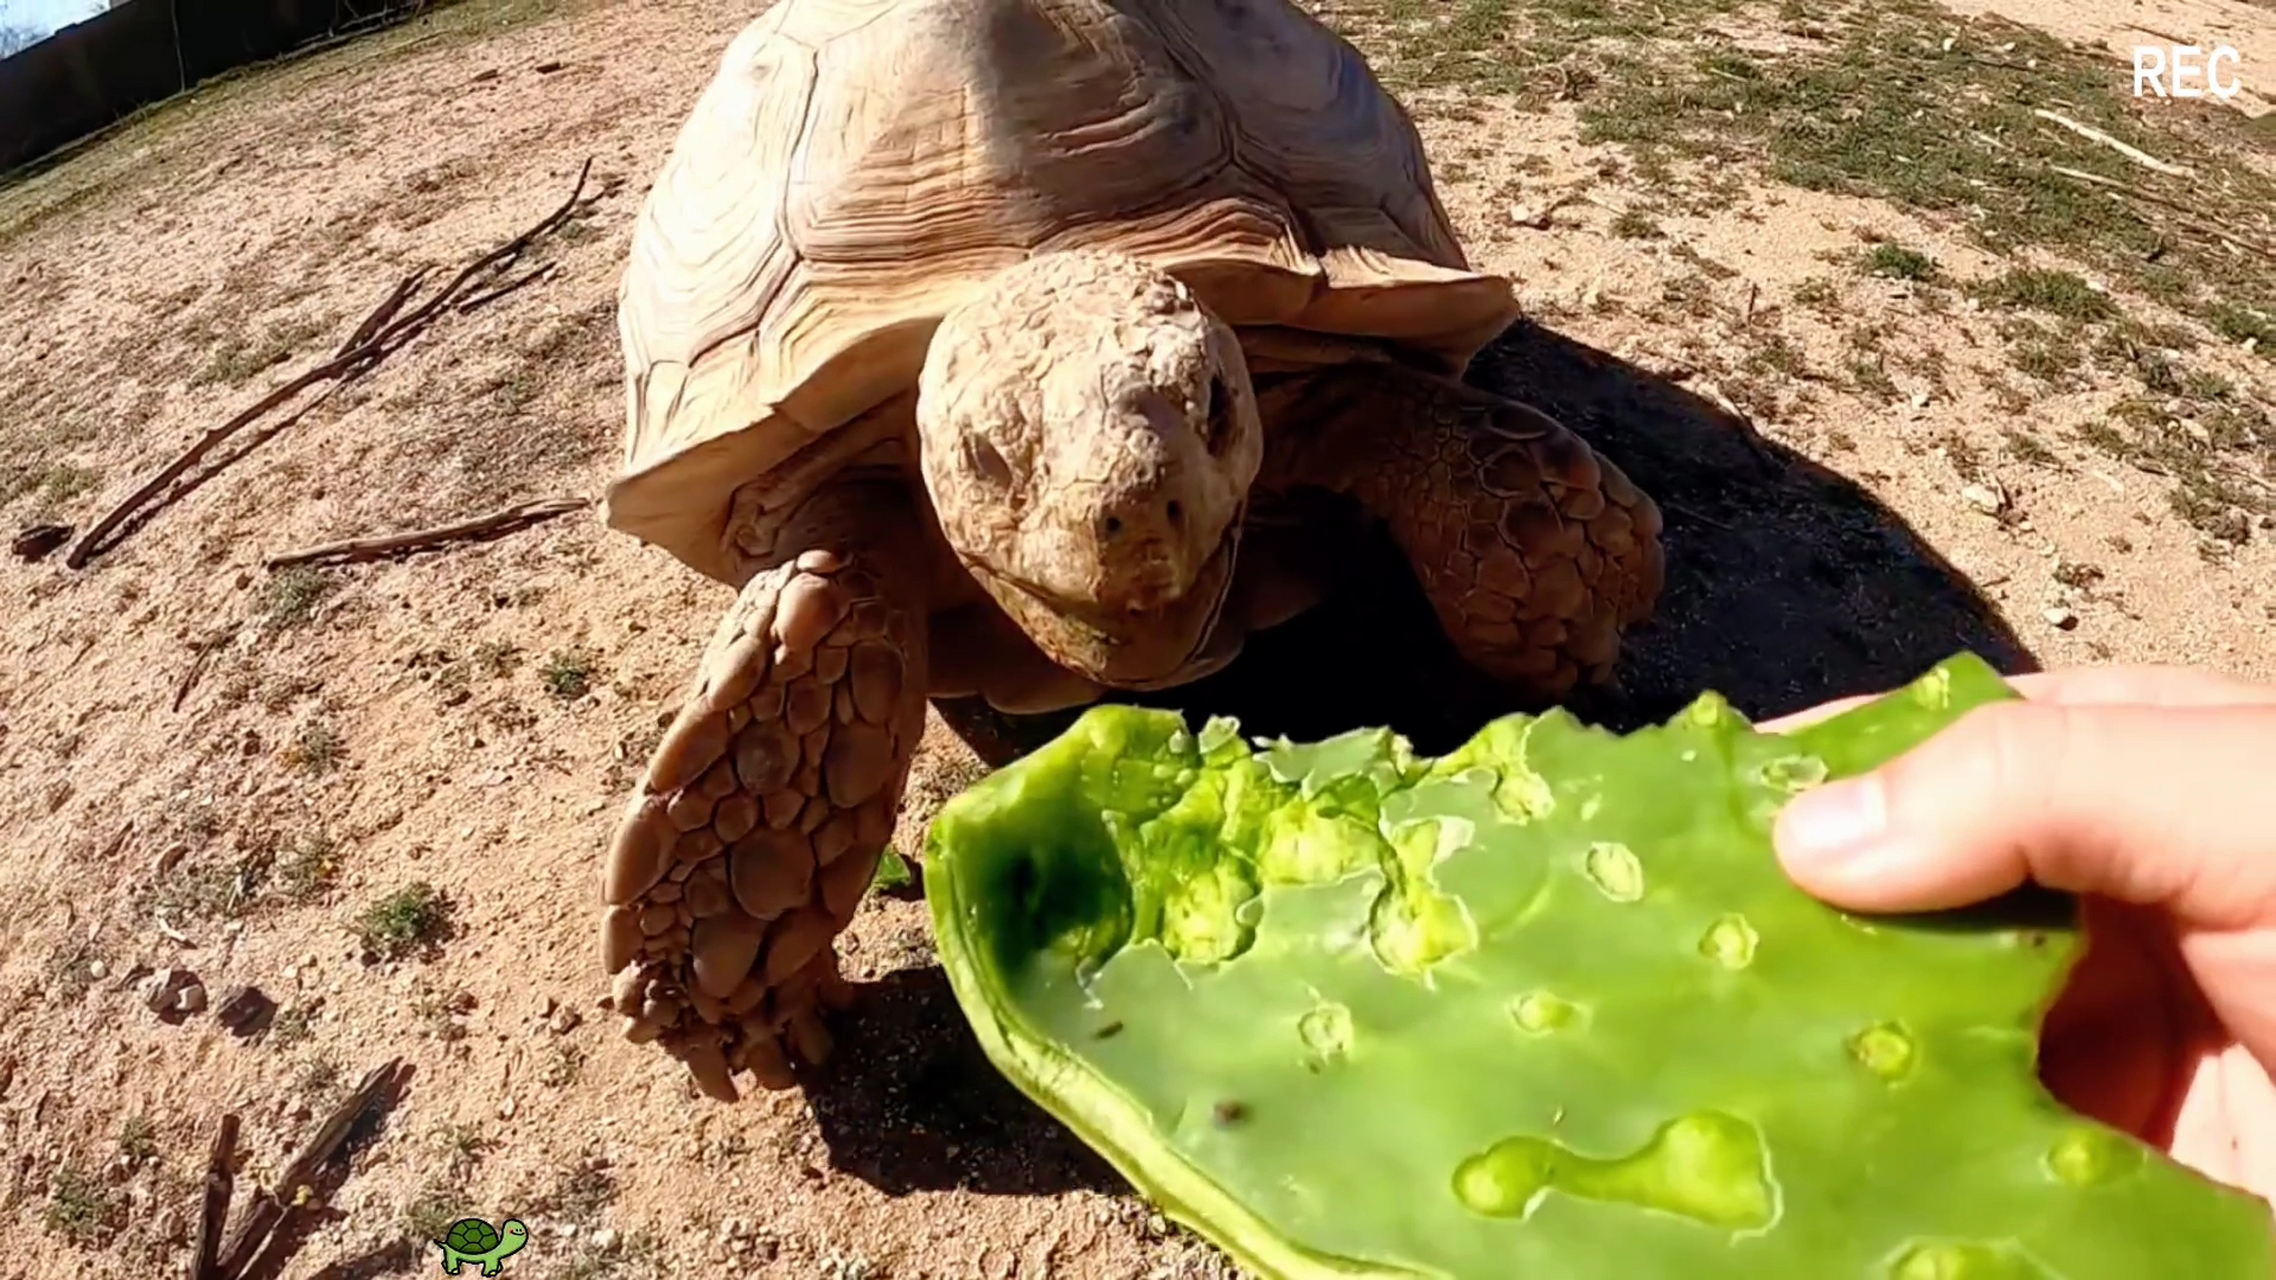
(1832, 822)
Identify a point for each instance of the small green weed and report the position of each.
(415, 918)
(568, 674)
(1895, 262)
(80, 1208)
(290, 596)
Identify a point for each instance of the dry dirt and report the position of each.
(381, 793)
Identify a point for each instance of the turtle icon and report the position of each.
(473, 1240)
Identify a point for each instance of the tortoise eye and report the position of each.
(1217, 434)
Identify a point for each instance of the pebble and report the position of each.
(97, 970)
(604, 1239)
(1982, 498)
(2060, 618)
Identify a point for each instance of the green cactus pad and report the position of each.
(1543, 1007)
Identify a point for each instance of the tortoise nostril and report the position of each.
(1113, 525)
(1176, 513)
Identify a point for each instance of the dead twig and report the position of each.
(383, 313)
(213, 1205)
(2180, 211)
(492, 295)
(267, 1212)
(353, 550)
(203, 650)
(2135, 154)
(387, 332)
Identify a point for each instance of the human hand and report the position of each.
(2147, 791)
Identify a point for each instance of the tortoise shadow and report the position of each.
(1788, 585)
(909, 1102)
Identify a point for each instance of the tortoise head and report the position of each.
(1088, 435)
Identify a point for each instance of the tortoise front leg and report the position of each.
(1535, 553)
(765, 808)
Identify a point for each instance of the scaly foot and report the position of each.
(761, 820)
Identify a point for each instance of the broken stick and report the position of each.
(352, 550)
(213, 1207)
(2092, 134)
(387, 332)
(270, 1207)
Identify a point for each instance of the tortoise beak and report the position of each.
(1135, 649)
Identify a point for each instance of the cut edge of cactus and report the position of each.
(1114, 1127)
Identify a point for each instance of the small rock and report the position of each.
(168, 1226)
(506, 1109)
(604, 1239)
(2060, 619)
(245, 1009)
(97, 970)
(37, 542)
(191, 999)
(1984, 499)
(565, 1021)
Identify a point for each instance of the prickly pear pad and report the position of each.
(1543, 1007)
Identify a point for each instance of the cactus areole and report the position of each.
(1545, 1006)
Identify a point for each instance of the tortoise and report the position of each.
(473, 1240)
(1010, 349)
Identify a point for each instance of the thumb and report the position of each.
(2149, 805)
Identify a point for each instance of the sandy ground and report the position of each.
(469, 720)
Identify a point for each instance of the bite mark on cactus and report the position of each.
(1730, 942)
(1886, 1050)
(1710, 1167)
(1964, 1260)
(1615, 871)
(2087, 1157)
(1792, 774)
(1540, 1013)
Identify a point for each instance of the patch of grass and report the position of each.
(428, 1215)
(2057, 293)
(316, 746)
(238, 358)
(81, 1209)
(208, 889)
(1895, 262)
(2025, 446)
(1870, 378)
(1776, 353)
(1817, 293)
(1903, 101)
(290, 596)
(305, 870)
(1635, 224)
(568, 674)
(138, 1139)
(2239, 323)
(319, 1078)
(2044, 356)
(415, 918)
(497, 658)
(49, 485)
(70, 972)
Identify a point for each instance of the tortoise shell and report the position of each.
(858, 167)
(472, 1235)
